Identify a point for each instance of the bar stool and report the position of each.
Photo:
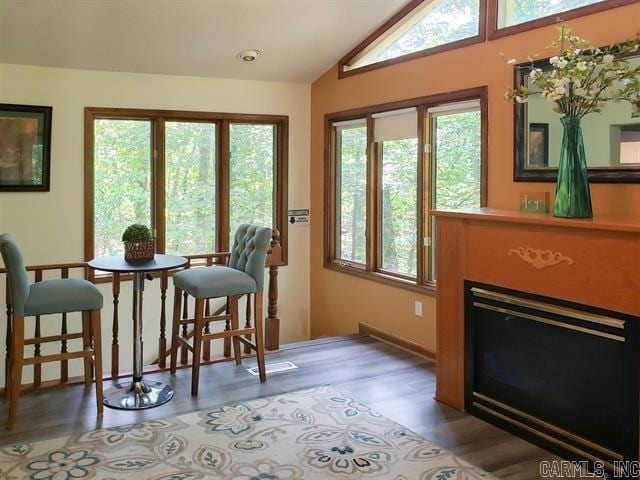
(45, 298)
(244, 275)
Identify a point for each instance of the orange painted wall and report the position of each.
(340, 301)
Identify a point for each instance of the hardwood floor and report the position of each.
(395, 382)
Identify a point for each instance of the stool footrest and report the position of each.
(53, 338)
(184, 342)
(216, 318)
(249, 343)
(228, 333)
(57, 357)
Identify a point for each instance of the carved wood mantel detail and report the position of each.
(540, 258)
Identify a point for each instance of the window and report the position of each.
(514, 12)
(507, 17)
(252, 155)
(190, 189)
(192, 176)
(396, 140)
(123, 180)
(423, 27)
(387, 169)
(351, 171)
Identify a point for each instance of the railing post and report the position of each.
(272, 327)
(115, 347)
(162, 341)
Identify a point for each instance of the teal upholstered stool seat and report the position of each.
(243, 277)
(214, 282)
(62, 296)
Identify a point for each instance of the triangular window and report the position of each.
(422, 27)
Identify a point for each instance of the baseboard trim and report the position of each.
(366, 329)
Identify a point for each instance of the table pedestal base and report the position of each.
(137, 395)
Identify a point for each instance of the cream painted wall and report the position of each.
(49, 225)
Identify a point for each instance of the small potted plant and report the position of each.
(139, 245)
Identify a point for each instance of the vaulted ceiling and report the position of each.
(299, 39)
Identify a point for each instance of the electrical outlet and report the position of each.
(418, 308)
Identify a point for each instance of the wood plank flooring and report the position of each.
(394, 382)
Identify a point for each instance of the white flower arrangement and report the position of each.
(583, 78)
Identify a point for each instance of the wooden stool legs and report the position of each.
(235, 325)
(175, 330)
(235, 335)
(258, 322)
(91, 354)
(198, 325)
(17, 355)
(97, 357)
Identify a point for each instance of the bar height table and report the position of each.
(137, 395)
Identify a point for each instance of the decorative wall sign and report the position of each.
(25, 148)
(299, 217)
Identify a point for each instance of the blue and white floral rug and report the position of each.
(312, 434)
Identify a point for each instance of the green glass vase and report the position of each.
(573, 199)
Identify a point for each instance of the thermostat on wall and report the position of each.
(299, 217)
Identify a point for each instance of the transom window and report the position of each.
(193, 177)
(431, 24)
(387, 167)
(514, 12)
(425, 27)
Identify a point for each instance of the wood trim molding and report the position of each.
(366, 329)
(157, 118)
(389, 25)
(493, 32)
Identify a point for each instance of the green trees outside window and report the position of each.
(123, 180)
(352, 184)
(192, 177)
(515, 12)
(252, 168)
(388, 170)
(400, 205)
(190, 150)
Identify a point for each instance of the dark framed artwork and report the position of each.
(538, 145)
(25, 148)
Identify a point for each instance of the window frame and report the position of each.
(494, 31)
(388, 27)
(158, 178)
(371, 270)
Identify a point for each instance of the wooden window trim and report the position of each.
(389, 24)
(158, 119)
(494, 32)
(419, 284)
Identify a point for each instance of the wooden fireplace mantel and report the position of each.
(594, 262)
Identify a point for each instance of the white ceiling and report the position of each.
(300, 39)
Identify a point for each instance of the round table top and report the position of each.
(116, 263)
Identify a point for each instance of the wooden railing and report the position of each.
(272, 322)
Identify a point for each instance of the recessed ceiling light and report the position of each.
(249, 55)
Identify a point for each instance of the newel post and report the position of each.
(272, 326)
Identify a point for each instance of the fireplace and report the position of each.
(560, 374)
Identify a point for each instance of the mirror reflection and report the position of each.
(612, 138)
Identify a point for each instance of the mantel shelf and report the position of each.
(599, 222)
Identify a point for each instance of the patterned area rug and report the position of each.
(311, 434)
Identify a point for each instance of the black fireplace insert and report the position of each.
(561, 375)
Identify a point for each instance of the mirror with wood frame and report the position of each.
(611, 138)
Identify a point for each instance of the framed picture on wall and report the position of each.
(539, 145)
(25, 148)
